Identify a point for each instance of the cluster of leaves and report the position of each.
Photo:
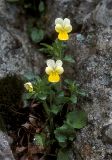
(62, 116)
(40, 89)
(56, 51)
(35, 33)
(35, 9)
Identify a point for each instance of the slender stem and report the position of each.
(60, 54)
(50, 97)
(60, 85)
(51, 117)
(46, 108)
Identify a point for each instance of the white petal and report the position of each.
(28, 86)
(59, 63)
(48, 70)
(59, 70)
(59, 21)
(51, 63)
(66, 22)
(68, 28)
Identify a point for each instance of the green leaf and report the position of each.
(63, 154)
(73, 99)
(68, 81)
(69, 58)
(37, 35)
(77, 119)
(61, 138)
(47, 49)
(30, 76)
(61, 94)
(41, 7)
(40, 139)
(42, 96)
(55, 50)
(55, 109)
(47, 46)
(82, 93)
(27, 96)
(61, 100)
(64, 133)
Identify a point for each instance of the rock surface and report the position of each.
(95, 66)
(5, 151)
(93, 69)
(76, 10)
(17, 55)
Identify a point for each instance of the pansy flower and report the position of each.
(54, 70)
(63, 27)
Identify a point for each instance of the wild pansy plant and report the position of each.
(58, 97)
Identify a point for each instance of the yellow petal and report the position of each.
(59, 70)
(68, 28)
(54, 77)
(59, 21)
(63, 36)
(48, 70)
(58, 28)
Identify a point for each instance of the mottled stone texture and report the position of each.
(17, 55)
(5, 151)
(76, 10)
(93, 70)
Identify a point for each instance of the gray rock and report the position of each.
(107, 134)
(2, 6)
(17, 55)
(101, 15)
(93, 71)
(5, 151)
(76, 10)
(85, 7)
